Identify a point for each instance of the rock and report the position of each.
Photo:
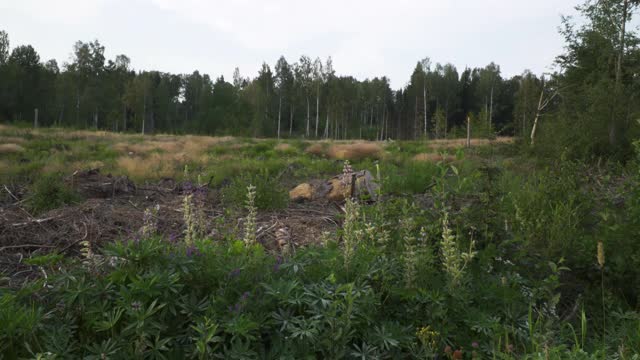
(301, 192)
(361, 183)
(338, 188)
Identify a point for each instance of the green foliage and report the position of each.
(398, 281)
(50, 192)
(270, 194)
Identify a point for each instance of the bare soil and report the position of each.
(113, 210)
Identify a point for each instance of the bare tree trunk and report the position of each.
(317, 110)
(491, 109)
(78, 109)
(326, 127)
(308, 116)
(144, 111)
(486, 110)
(279, 115)
(424, 98)
(446, 117)
(290, 119)
(535, 121)
(417, 121)
(35, 118)
(468, 131)
(61, 117)
(613, 126)
(124, 117)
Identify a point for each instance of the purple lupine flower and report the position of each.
(173, 237)
(136, 305)
(279, 261)
(187, 186)
(235, 308)
(192, 250)
(245, 296)
(234, 273)
(201, 192)
(475, 345)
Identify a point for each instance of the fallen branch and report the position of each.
(36, 221)
(26, 246)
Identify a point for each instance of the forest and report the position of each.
(300, 214)
(306, 98)
(301, 99)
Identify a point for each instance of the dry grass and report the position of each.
(317, 149)
(433, 157)
(10, 148)
(183, 148)
(346, 151)
(355, 151)
(456, 143)
(11, 139)
(283, 147)
(154, 166)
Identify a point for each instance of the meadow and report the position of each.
(162, 246)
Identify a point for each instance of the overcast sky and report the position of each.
(366, 38)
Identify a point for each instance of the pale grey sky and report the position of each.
(366, 38)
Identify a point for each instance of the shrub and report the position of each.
(50, 192)
(269, 193)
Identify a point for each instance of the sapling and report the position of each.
(250, 221)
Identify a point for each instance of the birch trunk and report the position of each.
(535, 121)
(468, 132)
(290, 120)
(308, 116)
(424, 98)
(144, 111)
(317, 110)
(326, 127)
(491, 109)
(613, 126)
(279, 115)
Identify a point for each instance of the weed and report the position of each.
(50, 192)
(250, 228)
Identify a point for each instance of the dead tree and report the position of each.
(542, 104)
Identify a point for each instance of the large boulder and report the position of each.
(337, 189)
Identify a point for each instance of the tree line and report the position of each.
(589, 104)
(304, 98)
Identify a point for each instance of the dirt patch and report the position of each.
(284, 147)
(10, 148)
(317, 149)
(93, 184)
(114, 210)
(457, 143)
(354, 151)
(433, 157)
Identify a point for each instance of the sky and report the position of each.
(365, 38)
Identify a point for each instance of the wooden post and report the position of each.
(468, 131)
(35, 118)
